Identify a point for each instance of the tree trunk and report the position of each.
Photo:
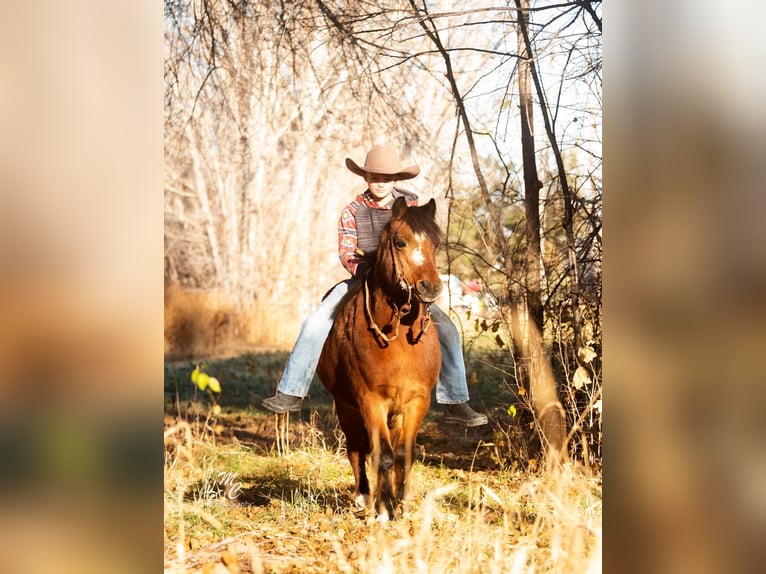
(575, 287)
(542, 385)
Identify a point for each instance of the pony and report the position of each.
(381, 360)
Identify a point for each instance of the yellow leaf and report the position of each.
(586, 354)
(580, 378)
(215, 386)
(522, 391)
(512, 410)
(597, 406)
(195, 374)
(202, 381)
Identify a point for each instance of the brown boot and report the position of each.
(464, 415)
(282, 403)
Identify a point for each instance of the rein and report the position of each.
(398, 312)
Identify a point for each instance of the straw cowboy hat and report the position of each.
(384, 160)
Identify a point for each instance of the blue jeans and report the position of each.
(451, 387)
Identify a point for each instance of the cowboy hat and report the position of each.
(385, 160)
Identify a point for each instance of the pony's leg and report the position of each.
(397, 443)
(396, 428)
(385, 489)
(414, 412)
(376, 422)
(357, 448)
(399, 466)
(362, 488)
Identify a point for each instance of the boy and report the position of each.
(359, 228)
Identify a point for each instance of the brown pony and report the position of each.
(381, 361)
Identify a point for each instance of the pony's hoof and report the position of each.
(385, 512)
(362, 501)
(383, 517)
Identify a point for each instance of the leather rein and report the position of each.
(398, 311)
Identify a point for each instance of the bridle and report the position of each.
(398, 311)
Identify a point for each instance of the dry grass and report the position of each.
(231, 509)
(197, 322)
(204, 323)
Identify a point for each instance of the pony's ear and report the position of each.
(430, 208)
(399, 207)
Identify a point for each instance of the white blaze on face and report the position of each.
(417, 254)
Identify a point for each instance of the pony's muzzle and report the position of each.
(426, 291)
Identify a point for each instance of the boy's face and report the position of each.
(380, 185)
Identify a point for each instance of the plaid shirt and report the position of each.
(347, 234)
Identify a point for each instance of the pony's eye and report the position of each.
(400, 243)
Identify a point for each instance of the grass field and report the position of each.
(239, 500)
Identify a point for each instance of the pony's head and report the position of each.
(406, 256)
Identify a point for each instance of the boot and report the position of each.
(464, 415)
(282, 403)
